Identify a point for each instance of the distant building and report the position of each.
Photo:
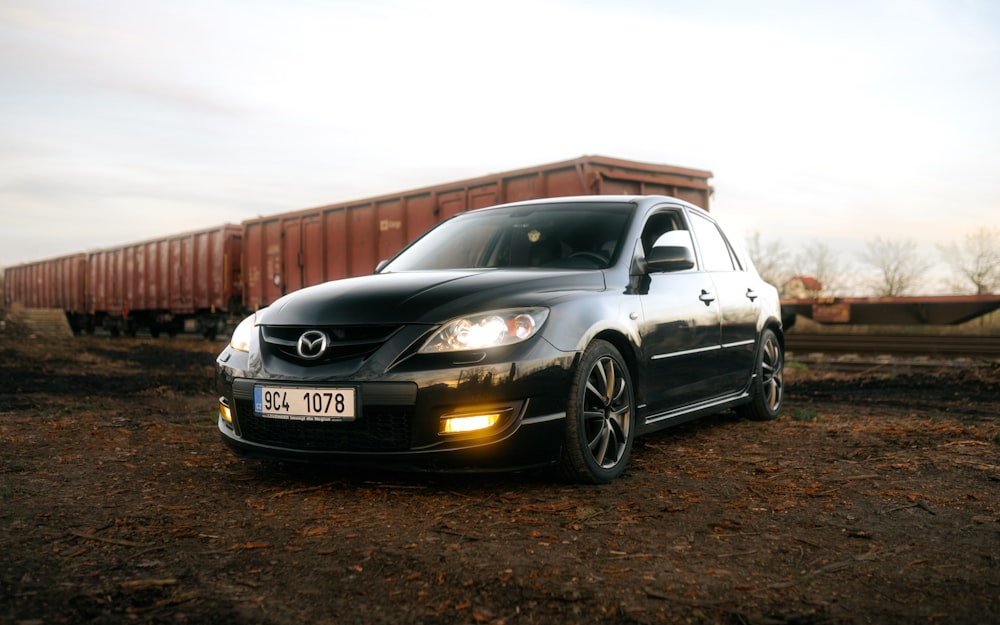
(802, 287)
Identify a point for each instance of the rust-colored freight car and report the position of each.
(187, 281)
(52, 283)
(285, 252)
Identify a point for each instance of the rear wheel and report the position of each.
(768, 386)
(600, 416)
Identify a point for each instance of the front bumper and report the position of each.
(400, 412)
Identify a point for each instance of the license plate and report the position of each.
(305, 404)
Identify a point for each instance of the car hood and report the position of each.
(430, 297)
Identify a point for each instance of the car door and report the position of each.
(737, 300)
(680, 329)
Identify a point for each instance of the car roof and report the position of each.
(645, 200)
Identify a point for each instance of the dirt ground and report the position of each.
(875, 498)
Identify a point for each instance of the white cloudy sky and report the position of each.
(835, 121)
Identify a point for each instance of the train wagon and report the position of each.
(183, 282)
(52, 283)
(285, 252)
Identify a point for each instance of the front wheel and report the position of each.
(600, 416)
(768, 386)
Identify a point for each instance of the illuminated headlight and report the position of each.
(242, 334)
(485, 330)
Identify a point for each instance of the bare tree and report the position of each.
(770, 258)
(820, 261)
(976, 261)
(898, 264)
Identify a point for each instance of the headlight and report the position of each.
(242, 334)
(490, 329)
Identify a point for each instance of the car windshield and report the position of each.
(560, 236)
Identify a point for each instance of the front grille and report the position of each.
(346, 342)
(380, 428)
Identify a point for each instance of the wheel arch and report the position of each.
(628, 351)
(775, 326)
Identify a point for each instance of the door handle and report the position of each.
(706, 297)
(752, 295)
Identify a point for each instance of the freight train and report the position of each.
(200, 281)
(188, 281)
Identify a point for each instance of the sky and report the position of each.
(837, 122)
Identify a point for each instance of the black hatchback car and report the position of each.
(543, 332)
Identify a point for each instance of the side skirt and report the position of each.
(661, 420)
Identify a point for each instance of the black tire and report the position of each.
(600, 417)
(768, 386)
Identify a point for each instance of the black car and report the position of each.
(542, 332)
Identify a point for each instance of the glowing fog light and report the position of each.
(470, 423)
(225, 412)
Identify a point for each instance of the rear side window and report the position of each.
(715, 250)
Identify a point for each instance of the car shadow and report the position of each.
(284, 476)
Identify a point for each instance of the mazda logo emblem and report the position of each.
(312, 344)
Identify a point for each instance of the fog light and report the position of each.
(468, 423)
(225, 412)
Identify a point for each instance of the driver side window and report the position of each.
(674, 237)
(666, 228)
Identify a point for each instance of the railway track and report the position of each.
(949, 346)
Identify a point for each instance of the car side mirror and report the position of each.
(670, 258)
(381, 264)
